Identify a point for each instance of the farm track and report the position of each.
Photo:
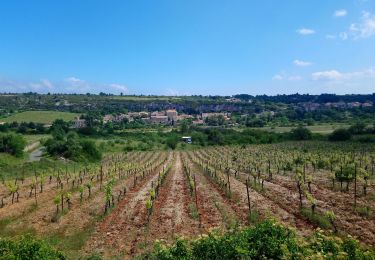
(215, 210)
(119, 233)
(170, 216)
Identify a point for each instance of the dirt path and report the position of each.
(124, 227)
(215, 209)
(171, 215)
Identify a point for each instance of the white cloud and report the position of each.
(67, 85)
(294, 78)
(334, 75)
(301, 63)
(326, 75)
(365, 28)
(119, 87)
(306, 31)
(284, 76)
(48, 84)
(278, 77)
(340, 13)
(75, 81)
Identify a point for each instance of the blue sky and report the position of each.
(183, 47)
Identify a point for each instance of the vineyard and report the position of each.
(121, 206)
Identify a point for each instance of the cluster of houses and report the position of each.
(171, 116)
(167, 117)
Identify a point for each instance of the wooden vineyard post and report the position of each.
(230, 193)
(304, 172)
(101, 176)
(269, 170)
(355, 186)
(248, 195)
(196, 201)
(158, 184)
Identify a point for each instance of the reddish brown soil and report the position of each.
(125, 226)
(170, 216)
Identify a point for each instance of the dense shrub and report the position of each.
(73, 147)
(27, 248)
(366, 138)
(357, 128)
(172, 141)
(266, 240)
(300, 133)
(340, 135)
(12, 144)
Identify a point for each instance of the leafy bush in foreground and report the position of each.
(267, 240)
(27, 248)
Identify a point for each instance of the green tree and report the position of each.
(340, 134)
(300, 133)
(12, 144)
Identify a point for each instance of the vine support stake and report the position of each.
(355, 186)
(196, 201)
(248, 195)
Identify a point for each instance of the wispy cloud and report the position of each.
(327, 75)
(301, 63)
(365, 28)
(305, 31)
(340, 13)
(68, 85)
(119, 87)
(335, 75)
(284, 76)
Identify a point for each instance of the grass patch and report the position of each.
(71, 243)
(316, 218)
(32, 208)
(3, 225)
(12, 167)
(193, 211)
(371, 196)
(256, 186)
(253, 217)
(35, 138)
(319, 128)
(43, 117)
(364, 211)
(6, 230)
(231, 222)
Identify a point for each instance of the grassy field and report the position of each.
(320, 129)
(44, 117)
(30, 139)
